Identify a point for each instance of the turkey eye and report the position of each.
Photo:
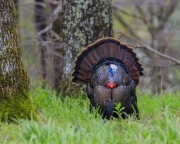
(126, 80)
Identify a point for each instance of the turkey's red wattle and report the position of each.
(111, 85)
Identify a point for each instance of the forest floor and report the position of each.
(68, 121)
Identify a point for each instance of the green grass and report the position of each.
(68, 121)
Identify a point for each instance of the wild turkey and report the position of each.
(111, 72)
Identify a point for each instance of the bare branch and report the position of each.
(153, 50)
(119, 18)
(46, 29)
(53, 17)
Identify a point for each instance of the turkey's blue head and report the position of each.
(112, 71)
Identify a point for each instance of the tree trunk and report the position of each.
(40, 22)
(83, 23)
(14, 98)
(52, 54)
(58, 46)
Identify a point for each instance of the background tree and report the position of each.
(148, 21)
(41, 23)
(14, 98)
(83, 23)
(127, 21)
(87, 22)
(48, 23)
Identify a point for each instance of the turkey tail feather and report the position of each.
(104, 49)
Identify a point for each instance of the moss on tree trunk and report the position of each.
(14, 83)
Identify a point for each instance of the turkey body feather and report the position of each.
(111, 72)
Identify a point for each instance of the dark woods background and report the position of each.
(52, 32)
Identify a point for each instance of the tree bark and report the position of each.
(14, 83)
(83, 23)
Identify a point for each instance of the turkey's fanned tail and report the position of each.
(103, 50)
